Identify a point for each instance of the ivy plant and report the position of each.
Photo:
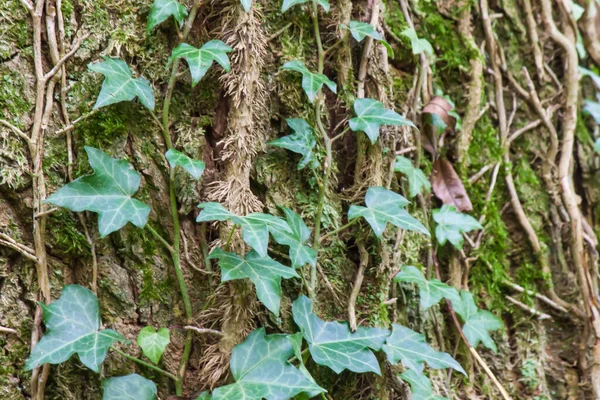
(290, 3)
(311, 81)
(420, 386)
(371, 114)
(451, 224)
(417, 181)
(478, 323)
(194, 167)
(153, 343)
(131, 386)
(200, 60)
(302, 141)
(361, 30)
(163, 9)
(430, 291)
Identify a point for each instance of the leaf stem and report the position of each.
(230, 237)
(145, 364)
(336, 137)
(160, 238)
(328, 234)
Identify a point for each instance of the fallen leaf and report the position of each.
(448, 187)
(435, 119)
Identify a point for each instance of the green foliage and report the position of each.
(592, 108)
(129, 387)
(311, 81)
(430, 291)
(302, 141)
(371, 114)
(289, 3)
(418, 45)
(451, 224)
(153, 343)
(194, 167)
(298, 233)
(420, 386)
(360, 30)
(163, 9)
(478, 323)
(200, 60)
(417, 181)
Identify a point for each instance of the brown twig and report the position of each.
(360, 274)
(540, 315)
(203, 331)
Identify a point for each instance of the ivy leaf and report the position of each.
(597, 146)
(129, 387)
(410, 347)
(119, 85)
(311, 82)
(334, 345)
(302, 141)
(371, 114)
(107, 192)
(153, 343)
(204, 396)
(385, 206)
(289, 3)
(595, 78)
(200, 60)
(163, 9)
(478, 323)
(194, 167)
(264, 272)
(296, 341)
(417, 181)
(360, 30)
(451, 224)
(73, 326)
(592, 108)
(213, 211)
(418, 45)
(295, 237)
(420, 386)
(430, 291)
(247, 4)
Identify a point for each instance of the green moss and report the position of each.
(14, 33)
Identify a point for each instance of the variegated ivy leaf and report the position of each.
(383, 206)
(73, 326)
(129, 387)
(360, 30)
(261, 371)
(371, 114)
(163, 9)
(311, 81)
(478, 323)
(289, 3)
(420, 386)
(417, 181)
(153, 343)
(295, 237)
(410, 347)
(107, 192)
(334, 345)
(247, 4)
(418, 45)
(194, 167)
(451, 224)
(430, 291)
(200, 60)
(119, 85)
(264, 272)
(302, 141)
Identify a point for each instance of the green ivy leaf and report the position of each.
(204, 396)
(417, 181)
(200, 60)
(420, 386)
(247, 4)
(597, 146)
(153, 343)
(119, 85)
(163, 9)
(260, 368)
(334, 345)
(478, 323)
(418, 45)
(264, 272)
(410, 347)
(289, 3)
(295, 237)
(296, 341)
(592, 108)
(430, 291)
(451, 224)
(302, 141)
(371, 114)
(360, 30)
(385, 206)
(591, 74)
(194, 167)
(129, 387)
(311, 82)
(73, 326)
(107, 192)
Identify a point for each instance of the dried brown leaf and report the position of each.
(435, 120)
(448, 187)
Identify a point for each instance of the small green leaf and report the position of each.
(289, 3)
(119, 85)
(591, 74)
(204, 396)
(451, 224)
(107, 192)
(311, 82)
(295, 237)
(334, 345)
(592, 108)
(200, 60)
(418, 45)
(194, 167)
(371, 114)
(153, 343)
(417, 181)
(247, 4)
(360, 30)
(302, 141)
(420, 386)
(430, 291)
(212, 211)
(385, 206)
(163, 9)
(129, 387)
(73, 326)
(410, 347)
(478, 323)
(264, 272)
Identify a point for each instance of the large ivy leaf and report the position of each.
(430, 291)
(289, 3)
(334, 345)
(385, 206)
(163, 9)
(295, 237)
(107, 192)
(311, 81)
(296, 341)
(371, 114)
(194, 167)
(200, 60)
(417, 181)
(260, 368)
(451, 224)
(420, 386)
(73, 326)
(153, 343)
(247, 4)
(302, 141)
(478, 323)
(264, 272)
(360, 30)
(119, 85)
(129, 387)
(418, 45)
(410, 347)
